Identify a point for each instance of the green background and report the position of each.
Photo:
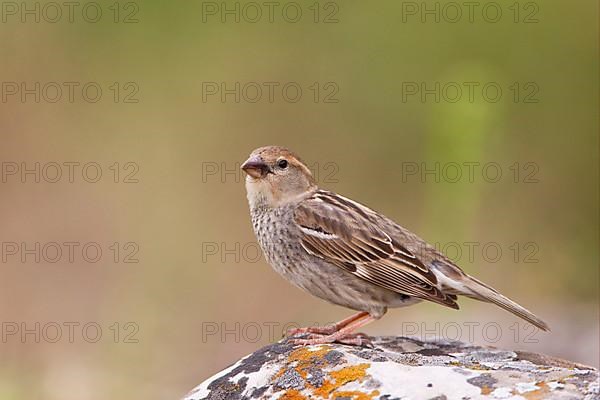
(361, 146)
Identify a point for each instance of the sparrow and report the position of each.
(348, 254)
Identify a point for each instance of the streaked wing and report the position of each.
(349, 235)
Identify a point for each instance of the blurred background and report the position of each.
(129, 266)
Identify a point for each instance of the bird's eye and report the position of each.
(282, 164)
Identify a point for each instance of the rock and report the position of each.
(399, 368)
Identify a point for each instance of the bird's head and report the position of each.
(276, 176)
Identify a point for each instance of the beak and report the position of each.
(255, 167)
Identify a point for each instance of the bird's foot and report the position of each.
(319, 330)
(354, 339)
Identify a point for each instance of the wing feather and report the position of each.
(350, 236)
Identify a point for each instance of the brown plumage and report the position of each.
(346, 253)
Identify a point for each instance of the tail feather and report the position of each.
(455, 282)
(482, 292)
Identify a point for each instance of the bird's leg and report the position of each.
(326, 330)
(343, 335)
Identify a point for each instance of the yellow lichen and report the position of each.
(278, 373)
(307, 358)
(479, 367)
(340, 377)
(292, 395)
(485, 390)
(306, 355)
(349, 374)
(538, 394)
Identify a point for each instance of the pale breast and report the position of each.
(280, 240)
(277, 237)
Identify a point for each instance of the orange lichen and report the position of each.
(349, 374)
(278, 373)
(306, 355)
(538, 394)
(306, 358)
(485, 390)
(340, 378)
(478, 367)
(292, 395)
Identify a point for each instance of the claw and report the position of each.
(340, 332)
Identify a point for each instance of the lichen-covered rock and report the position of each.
(399, 368)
